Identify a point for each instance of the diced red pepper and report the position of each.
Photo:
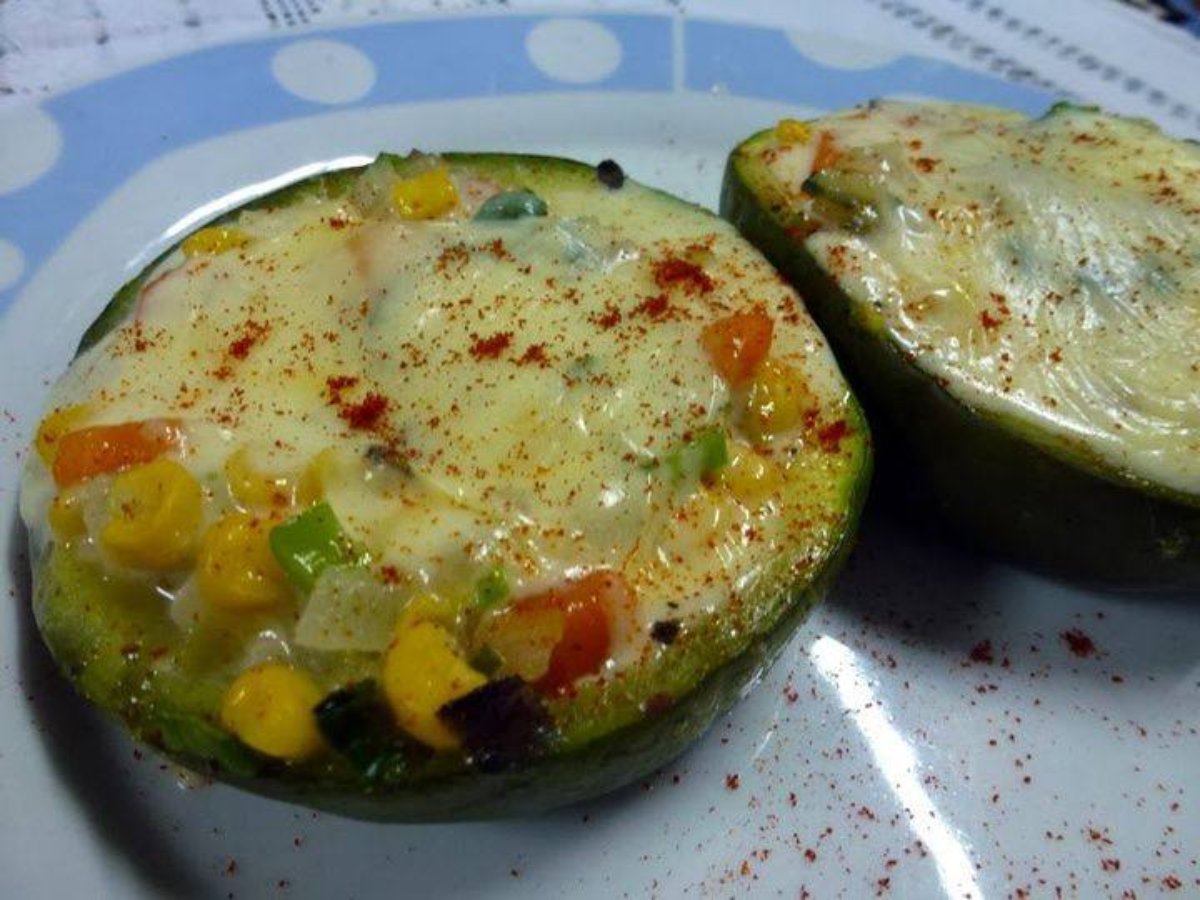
(587, 605)
(738, 344)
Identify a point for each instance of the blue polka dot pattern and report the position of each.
(112, 128)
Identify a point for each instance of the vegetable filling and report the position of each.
(422, 466)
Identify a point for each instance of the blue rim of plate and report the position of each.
(106, 131)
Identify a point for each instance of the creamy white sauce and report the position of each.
(1048, 268)
(526, 377)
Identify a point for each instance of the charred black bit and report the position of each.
(665, 630)
(611, 175)
(357, 723)
(502, 724)
(388, 455)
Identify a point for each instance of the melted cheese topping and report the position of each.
(1047, 269)
(520, 380)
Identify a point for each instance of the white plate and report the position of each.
(930, 729)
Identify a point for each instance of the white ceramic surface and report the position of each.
(944, 725)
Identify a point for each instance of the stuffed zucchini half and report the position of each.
(1019, 302)
(448, 487)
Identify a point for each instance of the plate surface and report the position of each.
(943, 724)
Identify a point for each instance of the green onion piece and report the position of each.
(511, 205)
(190, 735)
(308, 544)
(492, 587)
(356, 722)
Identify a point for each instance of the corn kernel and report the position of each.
(323, 470)
(213, 241)
(751, 477)
(429, 607)
(422, 672)
(270, 708)
(425, 196)
(793, 131)
(66, 516)
(310, 486)
(699, 254)
(62, 421)
(776, 402)
(236, 569)
(153, 514)
(254, 489)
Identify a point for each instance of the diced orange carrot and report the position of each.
(738, 344)
(100, 449)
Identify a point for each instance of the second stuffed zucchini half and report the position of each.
(1018, 300)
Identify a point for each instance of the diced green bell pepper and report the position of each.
(492, 587)
(701, 457)
(308, 544)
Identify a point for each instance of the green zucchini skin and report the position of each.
(92, 626)
(995, 481)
